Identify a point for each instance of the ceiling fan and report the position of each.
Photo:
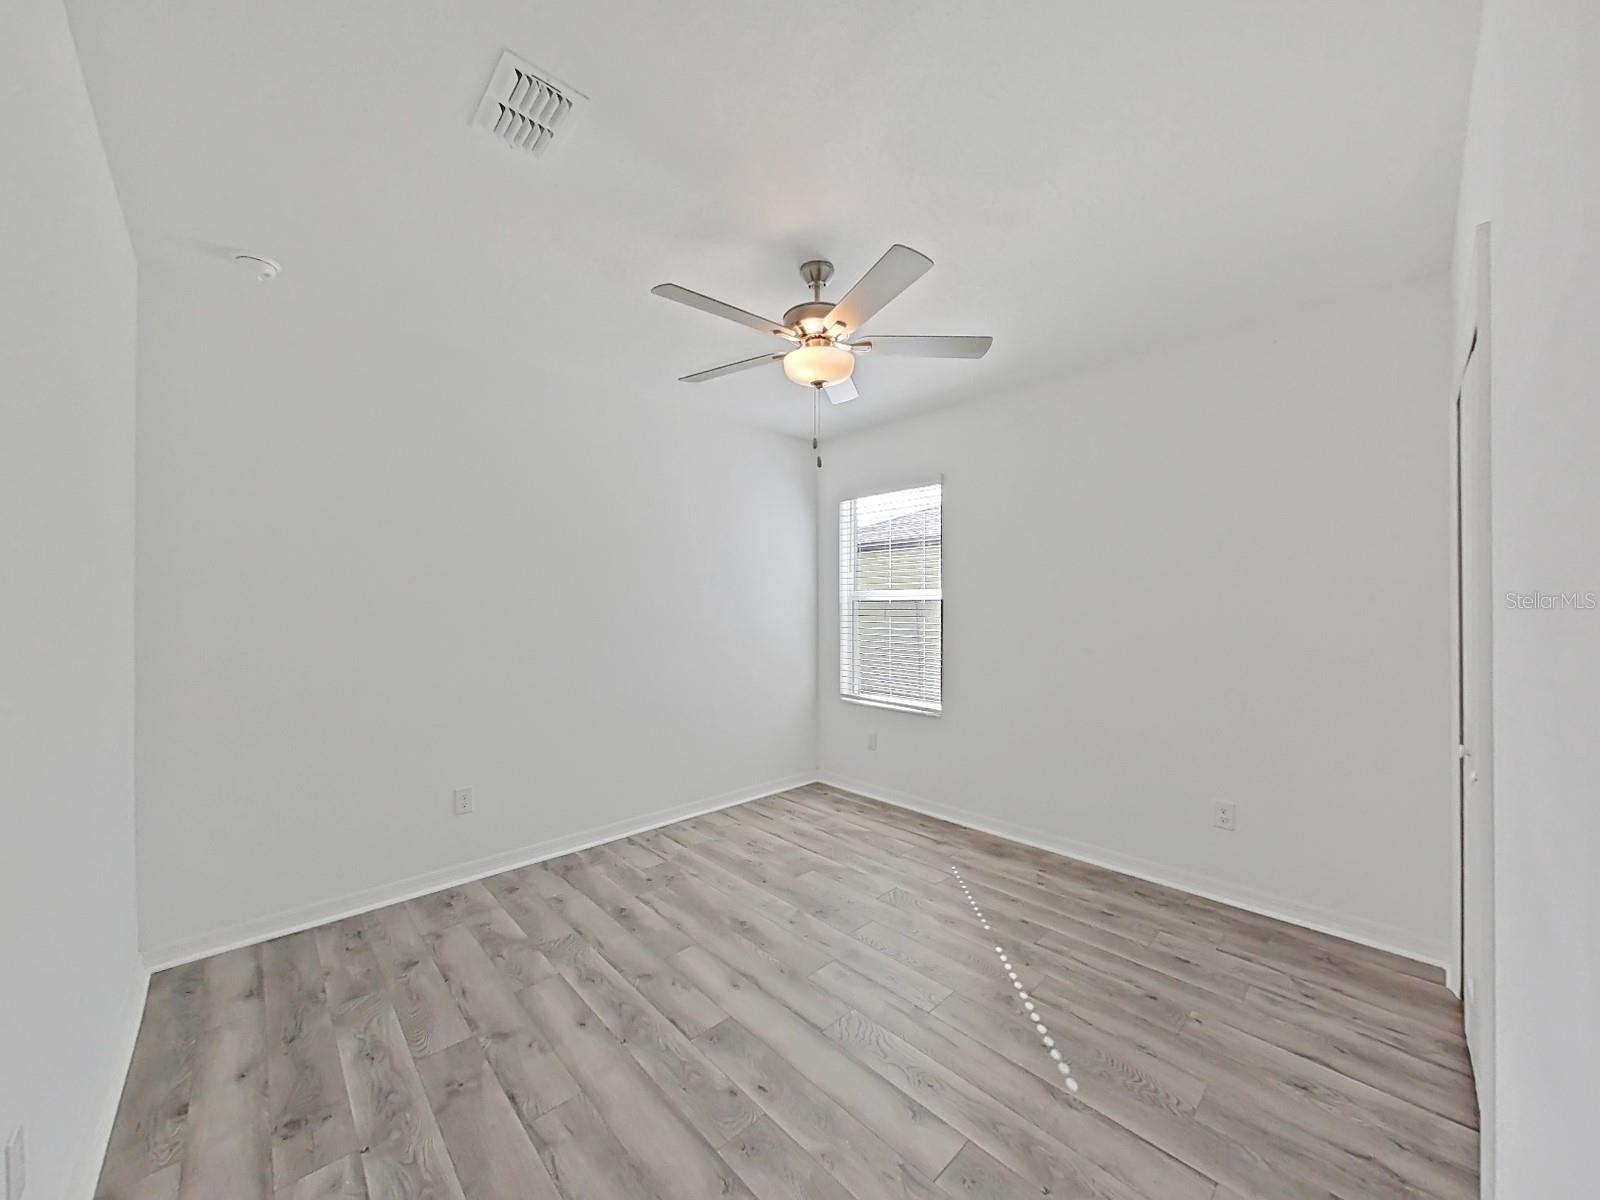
(820, 332)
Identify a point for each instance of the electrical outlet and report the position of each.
(461, 801)
(872, 740)
(16, 1165)
(1226, 816)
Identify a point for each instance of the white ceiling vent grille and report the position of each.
(524, 107)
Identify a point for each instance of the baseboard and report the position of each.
(87, 1176)
(308, 916)
(1377, 935)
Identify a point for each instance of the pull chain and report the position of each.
(816, 421)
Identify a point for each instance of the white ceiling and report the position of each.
(1086, 176)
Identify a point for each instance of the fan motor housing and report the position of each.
(817, 310)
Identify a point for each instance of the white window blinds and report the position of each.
(891, 598)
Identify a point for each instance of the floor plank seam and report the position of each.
(1029, 1008)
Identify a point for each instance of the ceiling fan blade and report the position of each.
(898, 269)
(671, 291)
(842, 393)
(927, 346)
(744, 364)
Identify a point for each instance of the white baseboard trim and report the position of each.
(87, 1175)
(1377, 935)
(247, 933)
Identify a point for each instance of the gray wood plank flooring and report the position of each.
(791, 998)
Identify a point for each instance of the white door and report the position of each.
(1477, 734)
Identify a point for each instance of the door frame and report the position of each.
(1474, 330)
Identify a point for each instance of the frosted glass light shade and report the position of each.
(825, 364)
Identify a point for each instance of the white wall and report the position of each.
(1218, 572)
(72, 979)
(1533, 174)
(373, 568)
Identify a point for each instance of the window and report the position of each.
(891, 598)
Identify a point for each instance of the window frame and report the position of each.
(848, 631)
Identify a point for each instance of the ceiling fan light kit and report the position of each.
(818, 362)
(823, 358)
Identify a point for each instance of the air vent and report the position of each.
(524, 107)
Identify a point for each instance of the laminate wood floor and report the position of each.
(793, 998)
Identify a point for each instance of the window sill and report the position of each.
(892, 706)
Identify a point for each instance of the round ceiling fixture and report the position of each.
(263, 269)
